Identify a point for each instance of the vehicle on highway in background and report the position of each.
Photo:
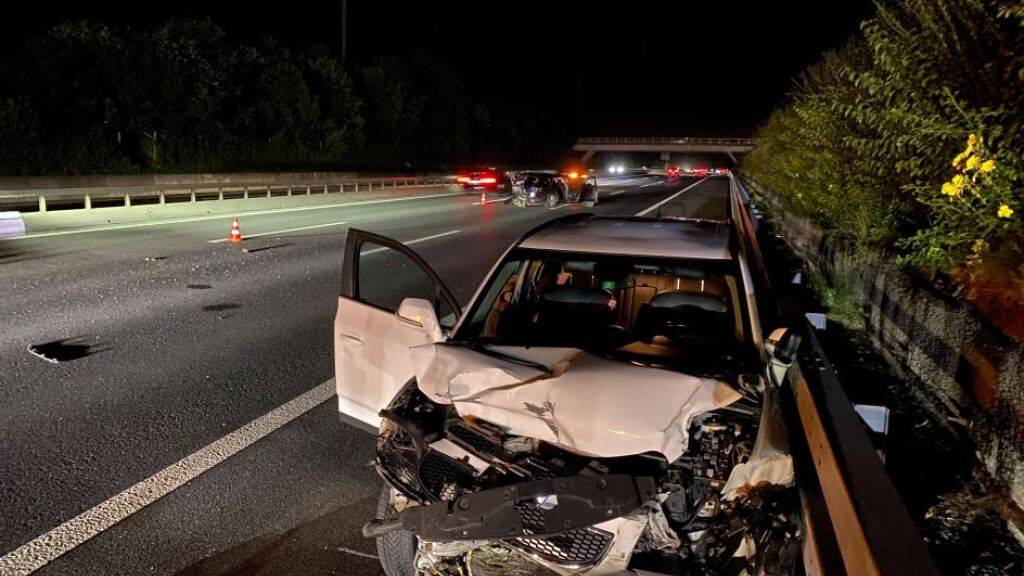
(536, 188)
(672, 172)
(722, 171)
(489, 178)
(607, 401)
(616, 169)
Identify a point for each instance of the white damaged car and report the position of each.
(604, 405)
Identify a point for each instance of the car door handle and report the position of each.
(351, 338)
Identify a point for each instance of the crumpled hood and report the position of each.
(581, 402)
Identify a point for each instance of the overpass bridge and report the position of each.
(665, 146)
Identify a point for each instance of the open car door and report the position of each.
(371, 337)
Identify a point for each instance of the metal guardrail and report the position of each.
(48, 199)
(856, 522)
(661, 141)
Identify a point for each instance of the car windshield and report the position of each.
(653, 311)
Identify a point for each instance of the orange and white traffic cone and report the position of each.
(483, 197)
(236, 233)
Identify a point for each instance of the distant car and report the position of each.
(553, 188)
(672, 172)
(487, 178)
(616, 169)
(721, 171)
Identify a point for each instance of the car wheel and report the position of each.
(552, 200)
(396, 550)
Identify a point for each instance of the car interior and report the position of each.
(651, 309)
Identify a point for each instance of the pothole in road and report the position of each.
(223, 307)
(65, 350)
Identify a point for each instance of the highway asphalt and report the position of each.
(173, 341)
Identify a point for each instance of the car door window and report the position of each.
(381, 272)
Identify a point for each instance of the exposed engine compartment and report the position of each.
(432, 456)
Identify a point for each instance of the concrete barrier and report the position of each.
(11, 225)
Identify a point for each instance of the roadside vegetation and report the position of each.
(909, 139)
(84, 97)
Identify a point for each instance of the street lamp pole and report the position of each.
(344, 29)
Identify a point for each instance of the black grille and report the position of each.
(532, 517)
(582, 547)
(475, 440)
(438, 472)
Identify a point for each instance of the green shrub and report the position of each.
(866, 141)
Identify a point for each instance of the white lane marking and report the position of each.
(35, 554)
(357, 553)
(488, 201)
(616, 193)
(285, 231)
(416, 241)
(228, 215)
(669, 199)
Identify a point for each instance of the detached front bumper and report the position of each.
(529, 509)
(550, 520)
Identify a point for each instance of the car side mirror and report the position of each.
(782, 345)
(420, 315)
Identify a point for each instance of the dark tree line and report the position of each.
(84, 97)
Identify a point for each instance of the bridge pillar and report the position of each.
(588, 155)
(733, 158)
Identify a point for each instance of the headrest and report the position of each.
(585, 267)
(578, 295)
(679, 298)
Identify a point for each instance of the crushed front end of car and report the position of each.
(514, 460)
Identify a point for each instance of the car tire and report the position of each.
(551, 201)
(396, 550)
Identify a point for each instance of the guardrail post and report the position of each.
(289, 191)
(42, 204)
(308, 192)
(245, 192)
(268, 190)
(220, 193)
(357, 186)
(325, 188)
(127, 200)
(192, 195)
(162, 197)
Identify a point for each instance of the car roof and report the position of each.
(656, 237)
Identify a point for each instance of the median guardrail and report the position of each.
(87, 198)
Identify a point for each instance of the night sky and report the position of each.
(643, 68)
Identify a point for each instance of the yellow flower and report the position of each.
(972, 141)
(979, 246)
(949, 189)
(960, 158)
(988, 166)
(973, 162)
(959, 180)
(1004, 211)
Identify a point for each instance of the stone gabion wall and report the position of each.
(971, 368)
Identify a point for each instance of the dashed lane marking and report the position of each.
(37, 553)
(285, 231)
(659, 204)
(408, 242)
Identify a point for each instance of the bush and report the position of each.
(872, 142)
